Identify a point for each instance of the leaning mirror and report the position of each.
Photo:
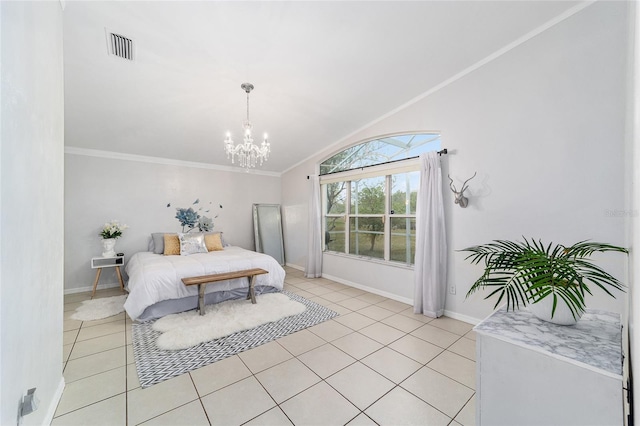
(267, 228)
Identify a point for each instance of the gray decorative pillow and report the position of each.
(158, 242)
(191, 244)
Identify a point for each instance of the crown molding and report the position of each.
(159, 160)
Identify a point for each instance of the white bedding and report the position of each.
(155, 277)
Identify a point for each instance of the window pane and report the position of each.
(336, 198)
(403, 239)
(391, 148)
(367, 196)
(366, 236)
(404, 192)
(334, 234)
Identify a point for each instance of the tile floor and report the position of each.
(376, 363)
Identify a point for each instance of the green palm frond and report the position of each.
(527, 272)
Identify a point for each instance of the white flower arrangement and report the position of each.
(112, 229)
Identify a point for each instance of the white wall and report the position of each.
(543, 125)
(31, 218)
(136, 193)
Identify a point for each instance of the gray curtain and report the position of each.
(431, 242)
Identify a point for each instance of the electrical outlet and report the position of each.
(452, 289)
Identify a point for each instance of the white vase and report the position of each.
(562, 316)
(108, 246)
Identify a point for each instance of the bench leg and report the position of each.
(201, 288)
(251, 295)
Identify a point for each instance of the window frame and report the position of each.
(386, 170)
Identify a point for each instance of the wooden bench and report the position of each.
(203, 280)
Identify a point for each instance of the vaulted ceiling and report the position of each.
(321, 70)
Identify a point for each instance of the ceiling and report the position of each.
(321, 70)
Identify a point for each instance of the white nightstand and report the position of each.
(106, 262)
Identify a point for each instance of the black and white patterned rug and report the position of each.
(155, 365)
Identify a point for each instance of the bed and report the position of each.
(155, 286)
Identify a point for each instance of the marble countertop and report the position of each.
(595, 342)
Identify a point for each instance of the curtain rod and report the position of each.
(441, 152)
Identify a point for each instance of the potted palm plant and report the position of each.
(552, 279)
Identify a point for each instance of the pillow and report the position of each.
(191, 244)
(157, 242)
(213, 242)
(171, 245)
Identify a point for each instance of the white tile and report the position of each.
(330, 330)
(464, 347)
(237, 403)
(402, 323)
(354, 320)
(320, 301)
(66, 351)
(112, 318)
(393, 305)
(300, 342)
(357, 345)
(222, 373)
(319, 405)
(467, 416)
(391, 364)
(70, 324)
(353, 292)
(132, 377)
(101, 330)
(437, 390)
(435, 335)
(145, 404)
(273, 417)
(93, 364)
(111, 411)
(341, 310)
(375, 312)
(371, 298)
(382, 333)
(287, 379)
(455, 367)
(353, 304)
(326, 360)
(451, 325)
(191, 414)
(471, 335)
(319, 290)
(264, 356)
(91, 390)
(69, 307)
(416, 349)
(99, 344)
(336, 296)
(399, 407)
(362, 420)
(360, 385)
(69, 337)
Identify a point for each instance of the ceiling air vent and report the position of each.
(120, 46)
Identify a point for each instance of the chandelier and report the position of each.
(247, 152)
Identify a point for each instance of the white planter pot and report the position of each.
(108, 247)
(562, 316)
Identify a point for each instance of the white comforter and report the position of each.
(155, 277)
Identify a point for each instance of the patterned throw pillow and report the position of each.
(191, 244)
(171, 245)
(213, 242)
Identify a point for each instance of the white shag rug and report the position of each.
(187, 329)
(96, 309)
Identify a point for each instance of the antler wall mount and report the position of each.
(460, 199)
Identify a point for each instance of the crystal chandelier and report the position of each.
(246, 151)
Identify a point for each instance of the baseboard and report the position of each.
(298, 267)
(51, 411)
(369, 289)
(461, 317)
(90, 288)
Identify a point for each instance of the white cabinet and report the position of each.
(530, 372)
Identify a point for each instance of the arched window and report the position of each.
(369, 197)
